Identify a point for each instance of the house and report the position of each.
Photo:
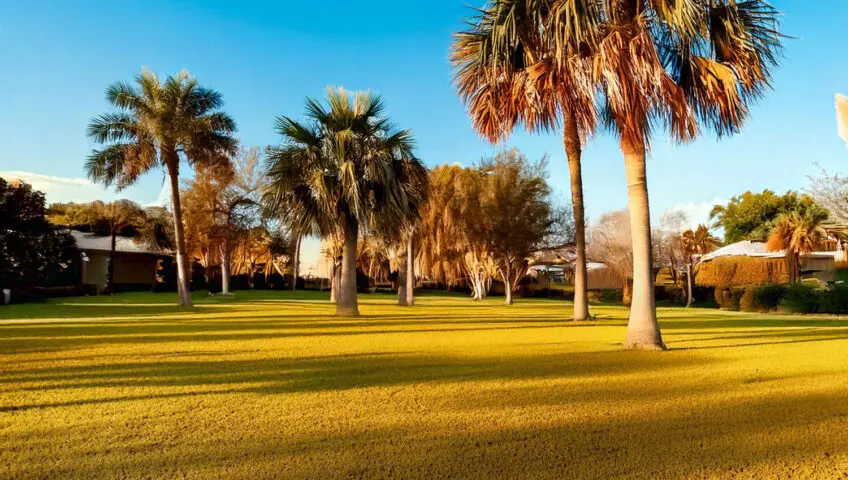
(558, 267)
(750, 263)
(136, 266)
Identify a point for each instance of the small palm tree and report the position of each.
(796, 234)
(523, 61)
(160, 124)
(344, 171)
(699, 241)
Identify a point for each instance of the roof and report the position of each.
(559, 256)
(747, 248)
(91, 242)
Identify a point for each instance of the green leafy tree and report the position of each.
(343, 171)
(517, 214)
(160, 124)
(753, 216)
(32, 251)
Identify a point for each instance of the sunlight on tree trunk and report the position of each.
(410, 269)
(347, 304)
(642, 330)
(507, 288)
(225, 269)
(296, 262)
(401, 281)
(334, 283)
(183, 275)
(571, 139)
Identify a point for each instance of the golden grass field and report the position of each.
(267, 385)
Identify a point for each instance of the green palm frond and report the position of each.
(345, 165)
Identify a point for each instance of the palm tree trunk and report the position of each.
(225, 268)
(571, 139)
(347, 286)
(643, 332)
(334, 282)
(410, 269)
(401, 282)
(296, 262)
(110, 272)
(183, 273)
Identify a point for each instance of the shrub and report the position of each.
(671, 293)
(734, 271)
(767, 297)
(747, 303)
(834, 299)
(719, 296)
(728, 298)
(800, 299)
(606, 295)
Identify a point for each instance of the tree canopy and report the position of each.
(31, 250)
(753, 216)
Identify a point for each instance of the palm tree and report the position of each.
(160, 124)
(686, 65)
(347, 170)
(524, 61)
(699, 241)
(112, 218)
(796, 234)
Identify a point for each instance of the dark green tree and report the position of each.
(753, 216)
(32, 251)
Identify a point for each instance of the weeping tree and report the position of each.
(346, 170)
(160, 124)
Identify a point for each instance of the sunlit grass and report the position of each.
(267, 385)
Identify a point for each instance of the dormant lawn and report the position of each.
(270, 385)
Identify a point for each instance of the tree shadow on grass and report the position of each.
(334, 372)
(617, 431)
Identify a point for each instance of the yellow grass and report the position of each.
(270, 386)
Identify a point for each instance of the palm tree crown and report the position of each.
(154, 122)
(160, 124)
(345, 170)
(346, 164)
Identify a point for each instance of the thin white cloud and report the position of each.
(62, 189)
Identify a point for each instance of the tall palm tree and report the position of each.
(688, 64)
(347, 170)
(160, 124)
(525, 61)
(795, 234)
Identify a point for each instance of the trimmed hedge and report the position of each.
(737, 271)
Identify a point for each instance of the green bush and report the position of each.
(834, 299)
(747, 302)
(606, 295)
(768, 297)
(801, 299)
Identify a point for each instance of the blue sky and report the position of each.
(56, 59)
